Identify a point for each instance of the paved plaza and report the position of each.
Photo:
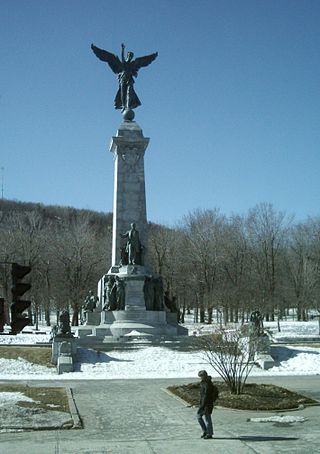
(139, 416)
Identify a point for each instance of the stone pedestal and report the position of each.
(129, 204)
(65, 364)
(134, 294)
(92, 318)
(58, 340)
(263, 344)
(262, 349)
(265, 361)
(129, 207)
(65, 358)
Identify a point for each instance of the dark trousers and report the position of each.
(205, 421)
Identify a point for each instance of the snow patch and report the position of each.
(280, 419)
(11, 398)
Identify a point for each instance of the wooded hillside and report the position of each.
(262, 260)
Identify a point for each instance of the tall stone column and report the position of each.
(129, 205)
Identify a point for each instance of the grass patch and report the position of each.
(34, 355)
(254, 397)
(54, 399)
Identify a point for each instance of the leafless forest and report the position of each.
(261, 260)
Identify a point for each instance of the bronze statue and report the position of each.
(64, 324)
(256, 319)
(110, 293)
(120, 294)
(126, 68)
(90, 302)
(133, 246)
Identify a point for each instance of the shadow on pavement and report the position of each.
(89, 356)
(257, 438)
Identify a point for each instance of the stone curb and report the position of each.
(299, 408)
(179, 399)
(77, 423)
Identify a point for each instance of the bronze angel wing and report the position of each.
(144, 61)
(112, 60)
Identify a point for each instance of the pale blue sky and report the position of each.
(231, 104)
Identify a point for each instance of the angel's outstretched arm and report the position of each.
(122, 52)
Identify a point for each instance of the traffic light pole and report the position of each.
(18, 319)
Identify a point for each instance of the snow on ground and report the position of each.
(12, 398)
(26, 339)
(280, 419)
(16, 369)
(162, 361)
(293, 329)
(148, 362)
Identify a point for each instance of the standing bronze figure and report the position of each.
(126, 98)
(133, 246)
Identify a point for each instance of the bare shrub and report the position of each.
(229, 353)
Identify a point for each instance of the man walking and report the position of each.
(207, 397)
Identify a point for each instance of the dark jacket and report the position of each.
(206, 395)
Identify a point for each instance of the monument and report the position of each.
(131, 296)
(259, 341)
(64, 345)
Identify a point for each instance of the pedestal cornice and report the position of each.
(129, 135)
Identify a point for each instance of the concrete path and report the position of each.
(138, 416)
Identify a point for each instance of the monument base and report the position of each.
(92, 318)
(129, 324)
(265, 361)
(140, 313)
(56, 344)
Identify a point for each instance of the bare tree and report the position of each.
(237, 289)
(203, 231)
(166, 252)
(229, 352)
(303, 270)
(267, 231)
(25, 235)
(81, 256)
(162, 249)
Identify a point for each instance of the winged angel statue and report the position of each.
(126, 68)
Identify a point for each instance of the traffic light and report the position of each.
(2, 314)
(18, 306)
